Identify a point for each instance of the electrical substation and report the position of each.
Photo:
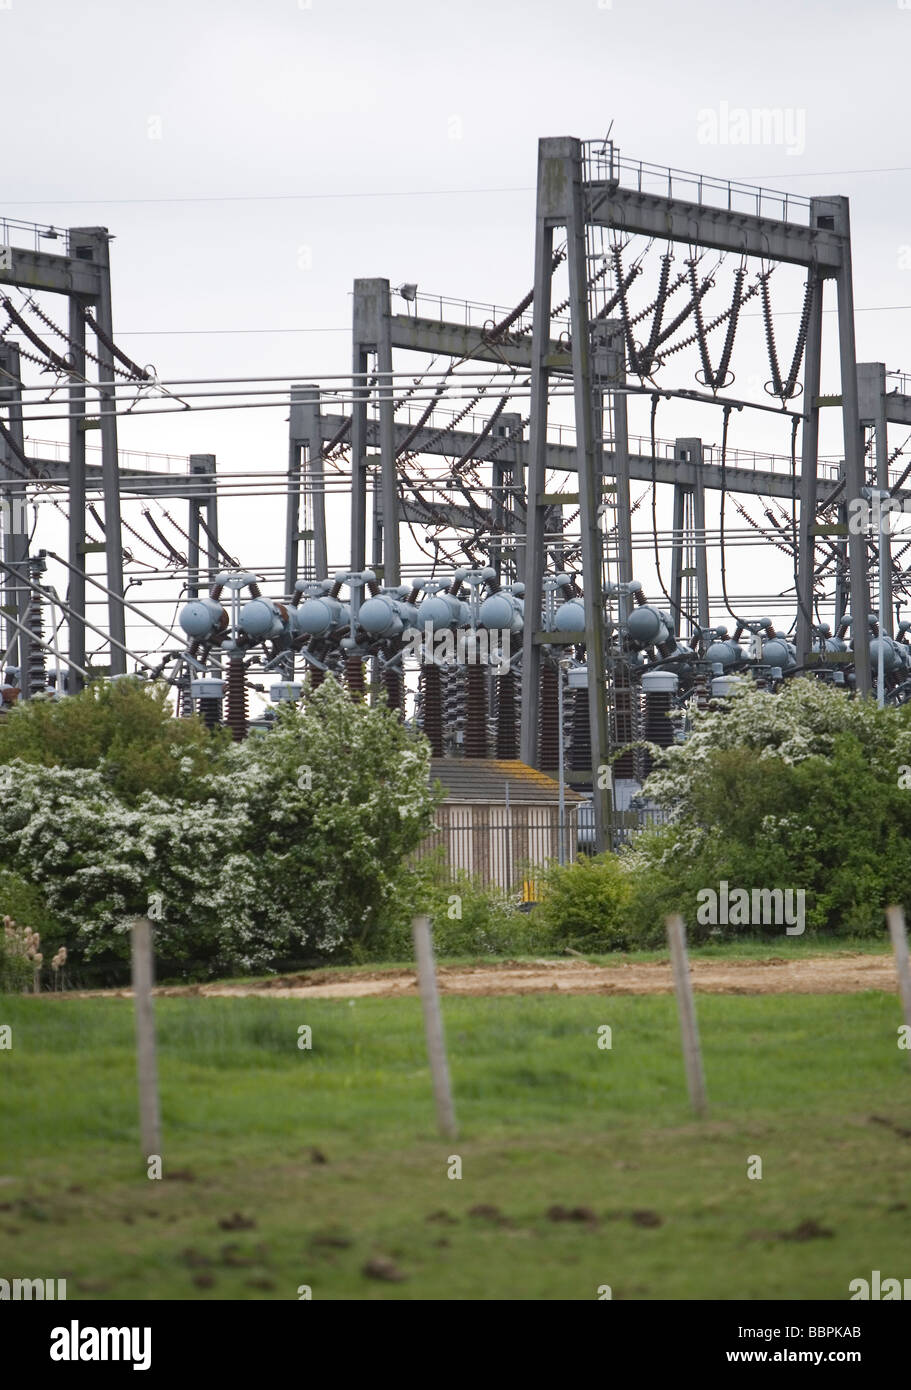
(535, 568)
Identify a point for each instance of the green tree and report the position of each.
(335, 798)
(124, 728)
(290, 841)
(799, 789)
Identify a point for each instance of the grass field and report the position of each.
(580, 1167)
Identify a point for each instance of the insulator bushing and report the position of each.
(623, 723)
(210, 712)
(354, 677)
(549, 733)
(476, 712)
(432, 708)
(507, 728)
(580, 748)
(37, 671)
(657, 725)
(659, 688)
(236, 718)
(394, 687)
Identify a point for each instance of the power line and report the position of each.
(264, 197)
(399, 193)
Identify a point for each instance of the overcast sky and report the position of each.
(217, 141)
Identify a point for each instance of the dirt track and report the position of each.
(845, 973)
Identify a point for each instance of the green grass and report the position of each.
(547, 1119)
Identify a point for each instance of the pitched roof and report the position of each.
(486, 779)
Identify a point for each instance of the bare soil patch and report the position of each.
(844, 973)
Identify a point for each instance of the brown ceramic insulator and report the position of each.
(35, 679)
(354, 678)
(316, 677)
(550, 733)
(658, 728)
(236, 718)
(432, 714)
(623, 723)
(476, 712)
(210, 712)
(580, 747)
(394, 688)
(507, 727)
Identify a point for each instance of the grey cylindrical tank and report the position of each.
(570, 617)
(201, 616)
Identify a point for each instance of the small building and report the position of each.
(500, 821)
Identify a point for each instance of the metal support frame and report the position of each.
(202, 466)
(854, 446)
(566, 197)
(561, 203)
(609, 357)
(84, 276)
(809, 452)
(873, 408)
(372, 334)
(77, 500)
(306, 484)
(13, 496)
(507, 503)
(98, 238)
(690, 537)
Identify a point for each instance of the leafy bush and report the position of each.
(798, 790)
(19, 956)
(125, 729)
(25, 903)
(469, 918)
(241, 852)
(585, 905)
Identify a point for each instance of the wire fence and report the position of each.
(503, 846)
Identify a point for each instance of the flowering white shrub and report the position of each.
(295, 840)
(800, 790)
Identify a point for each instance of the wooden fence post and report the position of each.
(689, 1031)
(895, 916)
(433, 1026)
(146, 1060)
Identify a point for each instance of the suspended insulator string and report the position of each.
(785, 389)
(216, 542)
(59, 364)
(139, 373)
(74, 347)
(709, 327)
(13, 447)
(496, 332)
(176, 557)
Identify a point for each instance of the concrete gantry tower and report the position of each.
(582, 186)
